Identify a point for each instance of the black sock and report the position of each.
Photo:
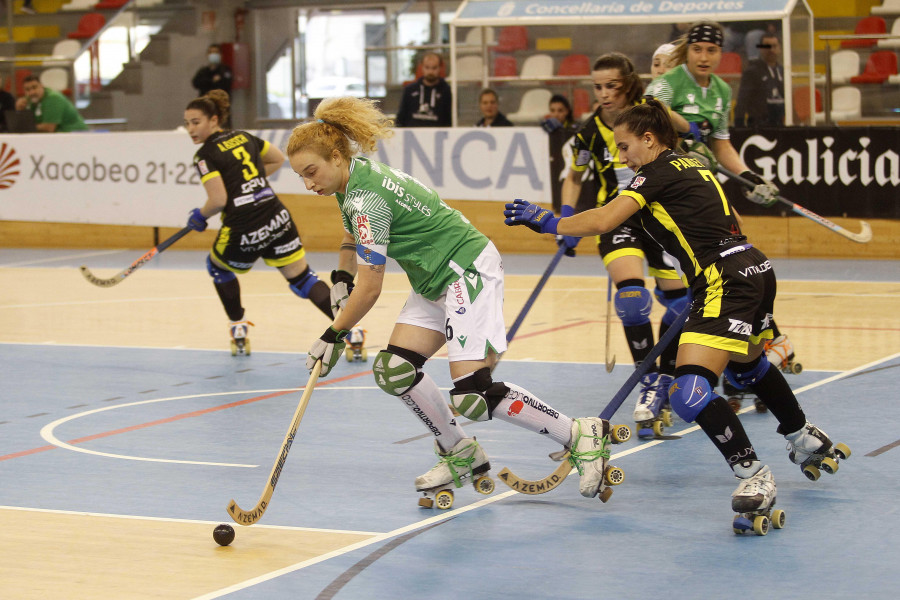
(320, 295)
(669, 353)
(773, 389)
(230, 295)
(726, 432)
(640, 341)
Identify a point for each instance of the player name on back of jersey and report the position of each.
(233, 142)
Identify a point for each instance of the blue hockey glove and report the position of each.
(550, 125)
(196, 220)
(531, 215)
(328, 349)
(700, 131)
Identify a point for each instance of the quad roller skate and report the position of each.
(589, 455)
(754, 500)
(780, 353)
(466, 460)
(736, 397)
(355, 340)
(813, 451)
(651, 413)
(240, 343)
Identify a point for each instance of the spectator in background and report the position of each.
(760, 101)
(561, 127)
(659, 64)
(489, 105)
(7, 102)
(52, 111)
(426, 102)
(214, 75)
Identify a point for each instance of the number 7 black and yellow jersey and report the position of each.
(236, 157)
(684, 208)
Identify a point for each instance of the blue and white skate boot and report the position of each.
(810, 448)
(240, 343)
(754, 500)
(647, 411)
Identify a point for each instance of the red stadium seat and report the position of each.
(110, 4)
(505, 66)
(574, 65)
(801, 103)
(730, 64)
(881, 65)
(512, 38)
(581, 103)
(88, 26)
(866, 25)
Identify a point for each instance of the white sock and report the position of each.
(427, 402)
(524, 409)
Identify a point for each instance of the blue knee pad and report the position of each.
(674, 306)
(745, 379)
(304, 282)
(218, 274)
(688, 395)
(633, 305)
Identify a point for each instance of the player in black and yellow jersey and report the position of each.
(680, 202)
(233, 167)
(624, 249)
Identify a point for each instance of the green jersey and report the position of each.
(56, 108)
(679, 90)
(392, 214)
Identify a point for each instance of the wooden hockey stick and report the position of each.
(244, 517)
(863, 237)
(537, 290)
(118, 277)
(609, 363)
(541, 486)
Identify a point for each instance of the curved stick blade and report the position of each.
(865, 235)
(96, 280)
(243, 517)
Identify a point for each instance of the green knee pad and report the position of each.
(393, 373)
(472, 405)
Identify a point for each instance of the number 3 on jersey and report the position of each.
(250, 171)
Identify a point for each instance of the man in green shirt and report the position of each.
(52, 111)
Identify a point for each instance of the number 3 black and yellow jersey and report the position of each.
(684, 208)
(236, 157)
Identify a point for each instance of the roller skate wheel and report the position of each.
(484, 485)
(760, 406)
(426, 502)
(444, 499)
(234, 348)
(829, 465)
(842, 451)
(246, 349)
(778, 519)
(614, 475)
(657, 428)
(735, 403)
(365, 355)
(620, 434)
(667, 418)
(741, 525)
(348, 354)
(812, 473)
(605, 495)
(761, 525)
(796, 368)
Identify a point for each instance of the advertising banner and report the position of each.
(147, 178)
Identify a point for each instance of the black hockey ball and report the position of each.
(223, 534)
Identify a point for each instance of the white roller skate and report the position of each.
(240, 343)
(589, 454)
(780, 353)
(355, 351)
(754, 499)
(650, 413)
(466, 460)
(810, 448)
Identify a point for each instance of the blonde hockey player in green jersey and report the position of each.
(456, 299)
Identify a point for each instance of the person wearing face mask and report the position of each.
(426, 101)
(214, 75)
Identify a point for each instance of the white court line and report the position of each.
(49, 436)
(25, 263)
(170, 520)
(452, 513)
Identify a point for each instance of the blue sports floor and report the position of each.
(117, 459)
